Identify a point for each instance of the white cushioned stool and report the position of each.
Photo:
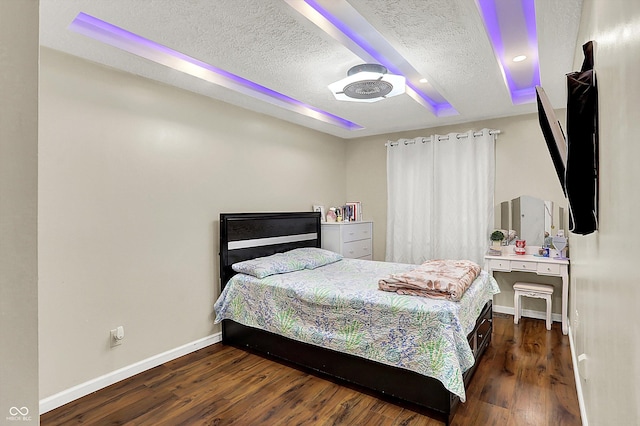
(540, 291)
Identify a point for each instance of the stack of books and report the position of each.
(352, 212)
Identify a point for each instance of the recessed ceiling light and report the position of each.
(342, 21)
(511, 27)
(423, 80)
(519, 58)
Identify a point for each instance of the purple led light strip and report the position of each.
(519, 93)
(367, 47)
(140, 46)
(529, 9)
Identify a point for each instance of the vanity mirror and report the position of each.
(530, 218)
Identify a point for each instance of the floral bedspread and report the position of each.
(339, 306)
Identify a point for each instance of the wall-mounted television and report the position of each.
(576, 157)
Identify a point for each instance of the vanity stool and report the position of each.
(540, 291)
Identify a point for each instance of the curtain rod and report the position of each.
(441, 138)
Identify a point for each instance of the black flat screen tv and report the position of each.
(581, 176)
(576, 157)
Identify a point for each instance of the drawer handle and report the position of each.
(352, 233)
(480, 336)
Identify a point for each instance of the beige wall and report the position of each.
(133, 177)
(604, 280)
(523, 166)
(134, 174)
(18, 211)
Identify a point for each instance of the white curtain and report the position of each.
(440, 197)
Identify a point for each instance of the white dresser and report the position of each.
(350, 239)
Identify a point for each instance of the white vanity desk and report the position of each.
(538, 265)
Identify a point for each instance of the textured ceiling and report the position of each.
(270, 43)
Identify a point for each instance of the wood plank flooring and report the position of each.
(524, 378)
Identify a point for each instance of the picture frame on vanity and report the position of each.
(320, 209)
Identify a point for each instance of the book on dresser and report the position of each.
(351, 239)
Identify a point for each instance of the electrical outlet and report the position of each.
(117, 336)
(582, 366)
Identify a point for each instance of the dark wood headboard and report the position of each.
(249, 235)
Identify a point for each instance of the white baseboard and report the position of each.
(576, 373)
(57, 400)
(558, 318)
(526, 313)
(54, 401)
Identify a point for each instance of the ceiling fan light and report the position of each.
(368, 83)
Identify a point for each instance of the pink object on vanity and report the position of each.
(520, 246)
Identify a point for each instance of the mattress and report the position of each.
(339, 306)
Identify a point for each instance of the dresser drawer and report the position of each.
(500, 265)
(523, 265)
(548, 269)
(471, 338)
(356, 231)
(357, 249)
(483, 334)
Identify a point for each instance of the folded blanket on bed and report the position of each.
(438, 279)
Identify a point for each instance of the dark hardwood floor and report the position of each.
(524, 378)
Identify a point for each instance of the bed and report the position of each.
(403, 376)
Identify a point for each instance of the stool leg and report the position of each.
(516, 307)
(548, 312)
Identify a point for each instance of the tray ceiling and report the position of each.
(273, 45)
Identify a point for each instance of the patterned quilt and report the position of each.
(339, 306)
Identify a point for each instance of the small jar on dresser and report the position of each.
(351, 239)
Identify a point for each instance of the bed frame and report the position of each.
(249, 235)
